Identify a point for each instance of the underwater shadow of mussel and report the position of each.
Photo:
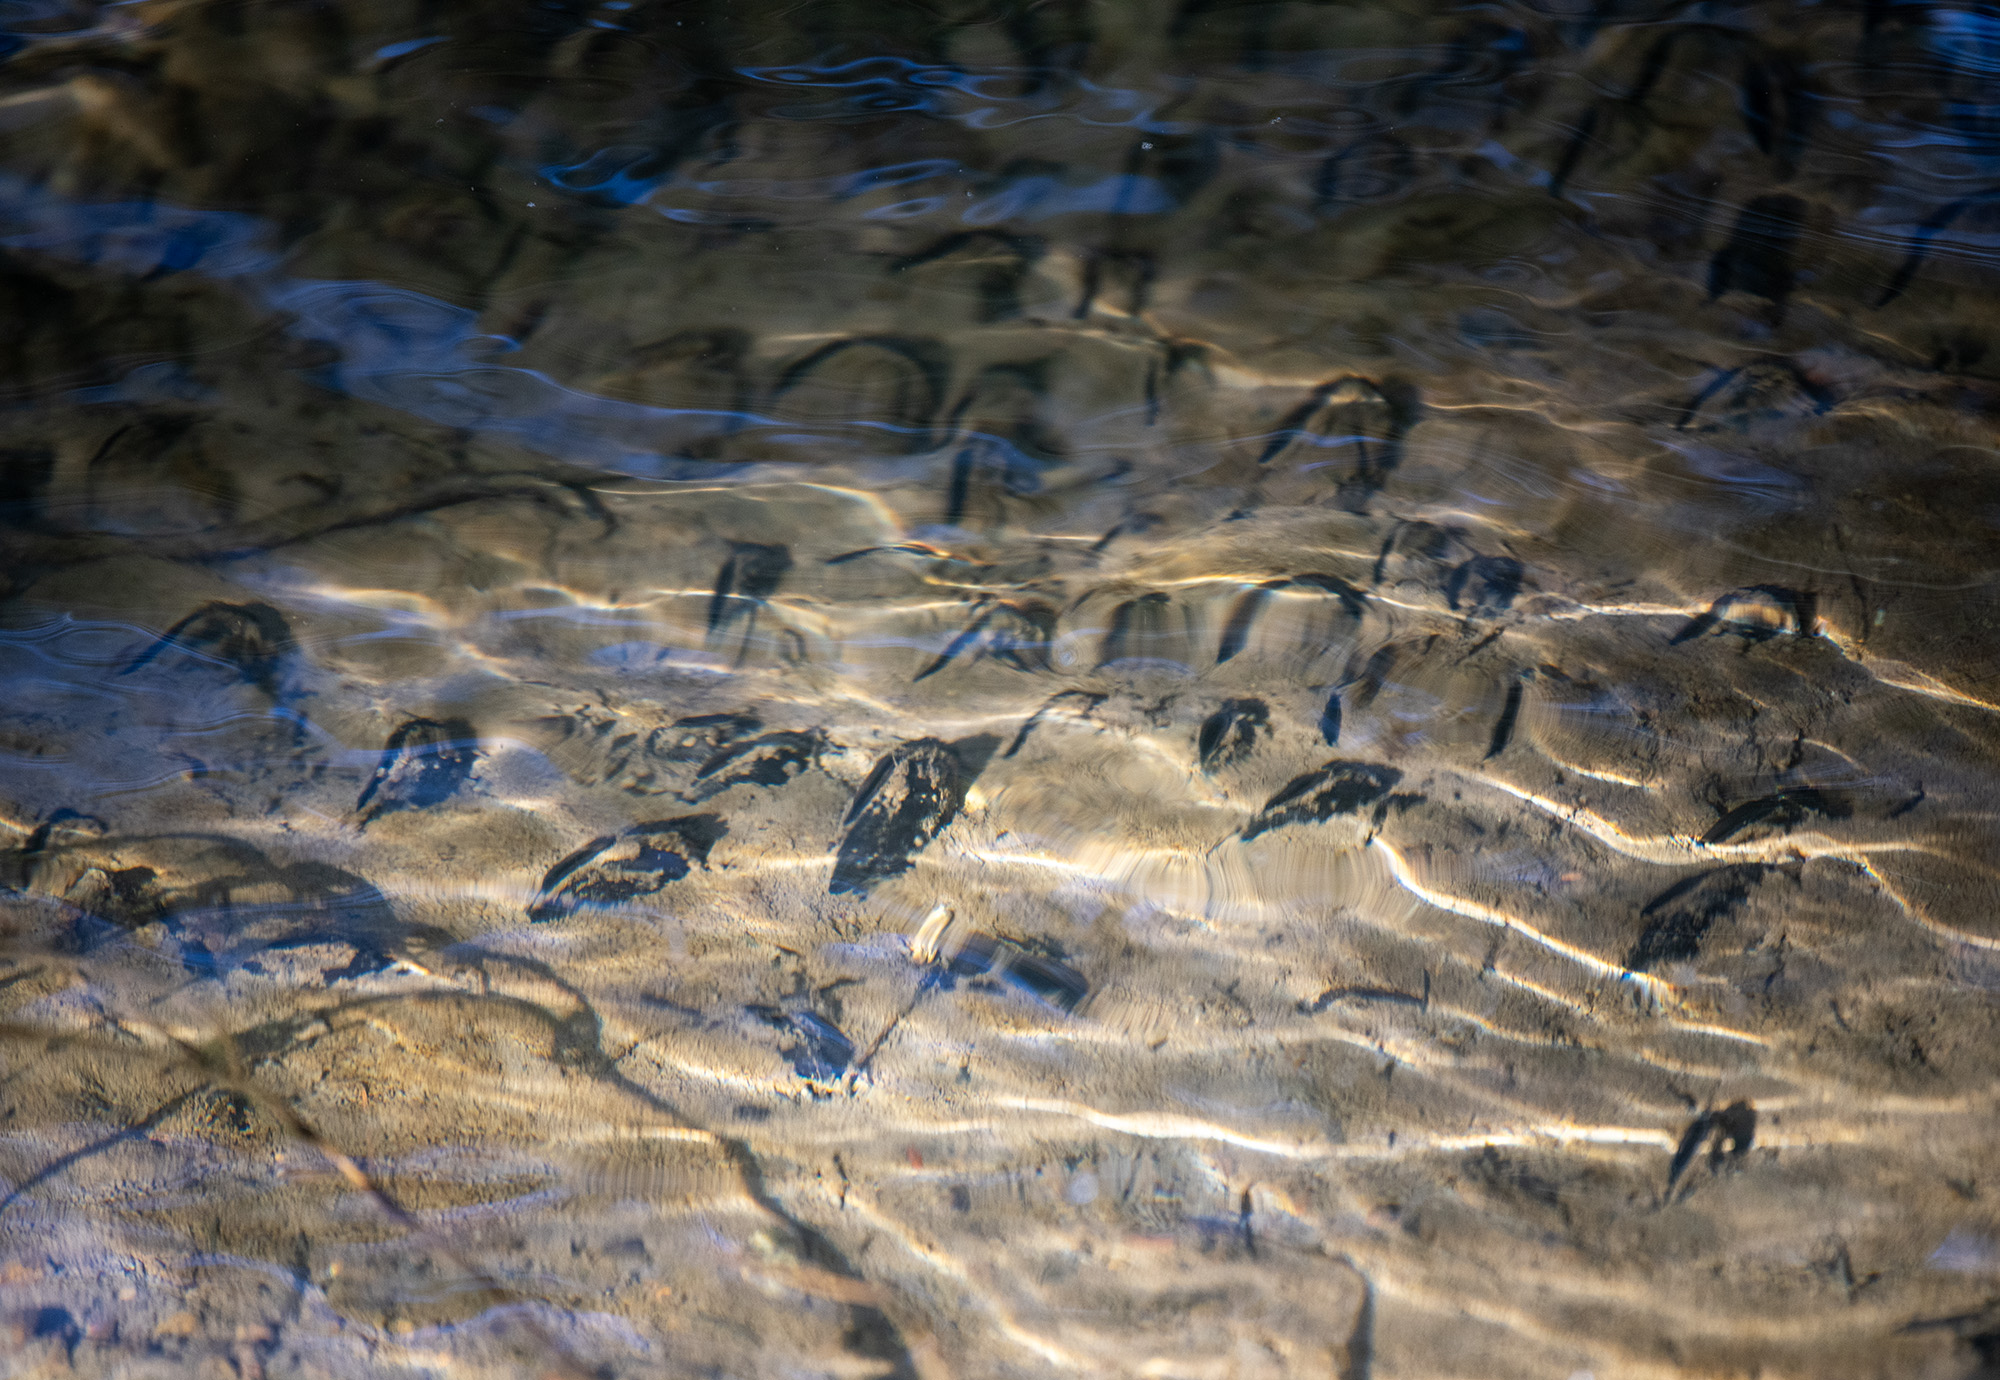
(745, 583)
(1679, 918)
(998, 264)
(1367, 420)
(254, 638)
(224, 901)
(1014, 632)
(896, 383)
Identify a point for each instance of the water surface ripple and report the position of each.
(704, 688)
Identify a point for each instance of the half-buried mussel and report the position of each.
(910, 797)
(1338, 788)
(617, 868)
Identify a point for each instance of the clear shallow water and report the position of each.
(1274, 690)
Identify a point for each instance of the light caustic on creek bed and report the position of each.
(1194, 690)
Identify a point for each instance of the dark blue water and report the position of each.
(993, 689)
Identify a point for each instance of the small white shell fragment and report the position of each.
(924, 943)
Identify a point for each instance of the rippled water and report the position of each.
(1223, 690)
